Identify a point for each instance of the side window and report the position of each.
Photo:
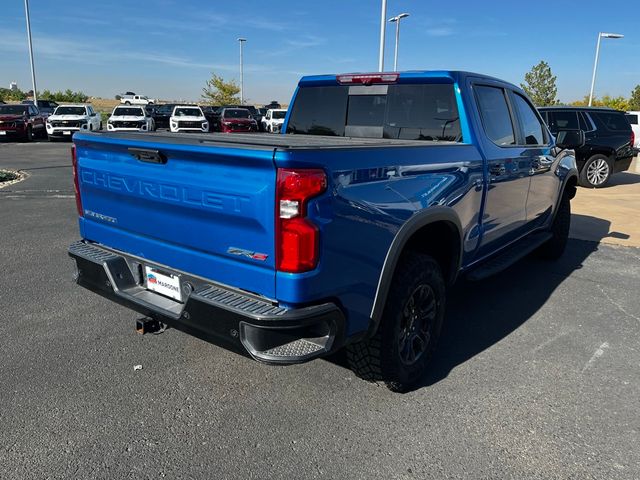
(584, 122)
(545, 116)
(32, 110)
(563, 121)
(532, 129)
(495, 115)
(615, 121)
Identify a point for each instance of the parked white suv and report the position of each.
(273, 120)
(634, 120)
(188, 118)
(67, 119)
(130, 119)
(136, 100)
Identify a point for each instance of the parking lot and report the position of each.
(537, 375)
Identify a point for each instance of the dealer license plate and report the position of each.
(164, 283)
(66, 132)
(3, 133)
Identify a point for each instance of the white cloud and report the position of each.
(78, 51)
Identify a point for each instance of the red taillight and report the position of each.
(297, 239)
(633, 138)
(76, 180)
(367, 78)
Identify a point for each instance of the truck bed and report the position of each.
(259, 141)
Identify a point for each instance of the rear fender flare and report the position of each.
(402, 237)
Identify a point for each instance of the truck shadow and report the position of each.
(480, 314)
(623, 178)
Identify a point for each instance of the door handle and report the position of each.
(541, 162)
(497, 170)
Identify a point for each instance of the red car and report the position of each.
(23, 121)
(237, 120)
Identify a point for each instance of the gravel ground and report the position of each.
(537, 375)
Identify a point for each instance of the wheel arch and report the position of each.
(437, 231)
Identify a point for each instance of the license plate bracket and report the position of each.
(163, 282)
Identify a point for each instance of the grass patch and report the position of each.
(7, 176)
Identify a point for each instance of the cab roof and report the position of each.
(409, 76)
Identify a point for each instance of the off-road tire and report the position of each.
(553, 248)
(584, 180)
(378, 359)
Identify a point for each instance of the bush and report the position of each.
(15, 95)
(67, 96)
(7, 176)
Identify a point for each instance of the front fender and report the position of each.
(566, 170)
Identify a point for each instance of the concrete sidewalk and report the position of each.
(611, 214)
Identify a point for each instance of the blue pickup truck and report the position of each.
(343, 232)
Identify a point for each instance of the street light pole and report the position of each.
(241, 40)
(33, 70)
(396, 20)
(595, 63)
(383, 26)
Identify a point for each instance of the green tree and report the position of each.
(12, 95)
(634, 101)
(540, 85)
(618, 103)
(67, 96)
(219, 92)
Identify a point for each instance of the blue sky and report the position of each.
(168, 48)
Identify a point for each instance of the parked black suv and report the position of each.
(608, 144)
(162, 113)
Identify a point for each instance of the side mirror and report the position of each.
(571, 139)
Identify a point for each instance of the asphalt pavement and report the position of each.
(537, 375)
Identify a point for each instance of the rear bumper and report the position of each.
(219, 314)
(622, 165)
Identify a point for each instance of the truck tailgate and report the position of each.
(200, 208)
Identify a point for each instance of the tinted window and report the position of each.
(613, 120)
(129, 111)
(366, 110)
(277, 114)
(532, 130)
(187, 112)
(410, 112)
(585, 123)
(495, 115)
(563, 121)
(13, 110)
(70, 111)
(319, 111)
(236, 113)
(422, 112)
(632, 118)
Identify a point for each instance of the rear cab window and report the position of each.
(426, 111)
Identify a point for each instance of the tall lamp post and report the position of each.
(383, 26)
(241, 40)
(595, 63)
(396, 20)
(33, 70)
